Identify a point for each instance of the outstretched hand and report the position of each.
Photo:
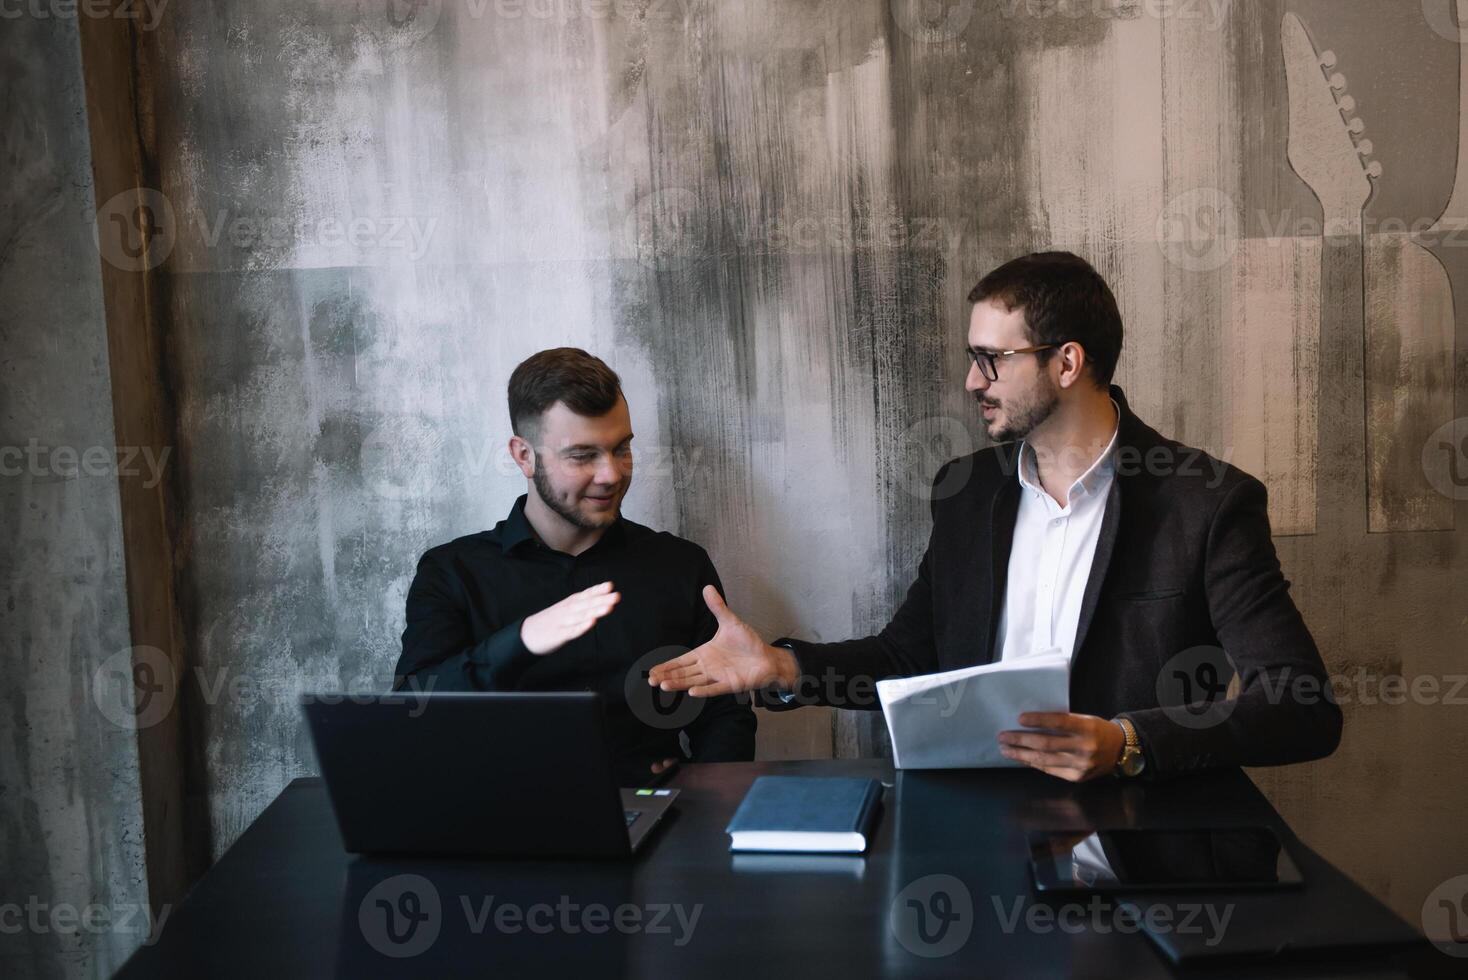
(735, 660)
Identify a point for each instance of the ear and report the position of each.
(524, 456)
(1072, 358)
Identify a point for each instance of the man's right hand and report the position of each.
(736, 659)
(555, 626)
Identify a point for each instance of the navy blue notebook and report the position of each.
(829, 814)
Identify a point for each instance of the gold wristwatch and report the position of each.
(1132, 761)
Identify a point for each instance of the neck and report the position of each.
(554, 531)
(1072, 439)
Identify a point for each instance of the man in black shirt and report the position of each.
(537, 603)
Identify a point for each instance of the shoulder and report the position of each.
(468, 545)
(668, 546)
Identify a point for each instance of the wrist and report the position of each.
(1130, 761)
(786, 668)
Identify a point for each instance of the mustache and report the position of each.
(985, 402)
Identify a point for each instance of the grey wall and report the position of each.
(766, 215)
(71, 848)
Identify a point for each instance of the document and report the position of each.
(952, 720)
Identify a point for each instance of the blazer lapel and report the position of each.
(1100, 562)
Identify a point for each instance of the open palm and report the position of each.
(735, 659)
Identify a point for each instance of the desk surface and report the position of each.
(287, 901)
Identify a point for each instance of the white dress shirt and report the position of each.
(1051, 557)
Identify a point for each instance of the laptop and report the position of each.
(477, 774)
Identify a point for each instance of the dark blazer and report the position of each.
(1184, 560)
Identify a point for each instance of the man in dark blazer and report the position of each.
(1084, 532)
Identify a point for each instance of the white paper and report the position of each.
(952, 720)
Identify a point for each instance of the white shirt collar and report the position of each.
(1098, 474)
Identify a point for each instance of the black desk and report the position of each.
(286, 901)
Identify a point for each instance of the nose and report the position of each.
(975, 380)
(608, 472)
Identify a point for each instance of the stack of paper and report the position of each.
(952, 720)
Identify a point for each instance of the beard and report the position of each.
(563, 508)
(1023, 413)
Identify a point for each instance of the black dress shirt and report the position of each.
(470, 596)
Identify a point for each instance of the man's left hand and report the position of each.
(1083, 746)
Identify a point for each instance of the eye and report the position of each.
(582, 457)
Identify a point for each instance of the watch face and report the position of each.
(1132, 763)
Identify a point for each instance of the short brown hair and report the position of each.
(561, 374)
(1063, 299)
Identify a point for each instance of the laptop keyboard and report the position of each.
(631, 816)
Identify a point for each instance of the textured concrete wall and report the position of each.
(71, 844)
(766, 214)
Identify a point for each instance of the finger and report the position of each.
(578, 603)
(717, 606)
(1065, 721)
(661, 670)
(684, 682)
(1045, 762)
(594, 611)
(1044, 743)
(690, 672)
(710, 690)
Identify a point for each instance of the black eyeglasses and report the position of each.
(987, 361)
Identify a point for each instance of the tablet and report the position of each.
(1150, 860)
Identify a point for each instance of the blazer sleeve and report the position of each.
(1285, 710)
(845, 674)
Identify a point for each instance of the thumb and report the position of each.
(717, 606)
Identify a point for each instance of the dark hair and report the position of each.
(1063, 299)
(561, 374)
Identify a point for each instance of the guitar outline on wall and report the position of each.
(1327, 149)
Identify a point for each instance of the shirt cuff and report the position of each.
(501, 656)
